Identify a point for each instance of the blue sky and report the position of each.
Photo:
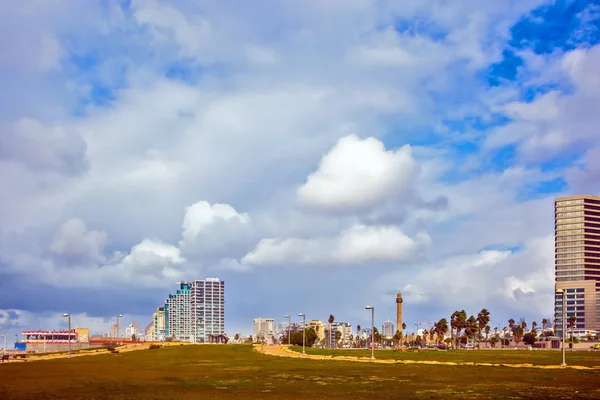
(316, 156)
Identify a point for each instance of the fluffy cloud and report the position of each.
(517, 280)
(76, 245)
(202, 219)
(356, 245)
(556, 121)
(356, 174)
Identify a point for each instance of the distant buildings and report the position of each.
(158, 325)
(346, 330)
(318, 326)
(387, 329)
(196, 311)
(264, 326)
(577, 261)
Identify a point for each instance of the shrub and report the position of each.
(154, 347)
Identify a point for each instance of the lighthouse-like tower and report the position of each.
(399, 312)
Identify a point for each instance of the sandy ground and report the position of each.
(284, 351)
(91, 352)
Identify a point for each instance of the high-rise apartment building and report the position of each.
(387, 329)
(264, 326)
(577, 261)
(196, 310)
(158, 325)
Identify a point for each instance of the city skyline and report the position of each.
(315, 164)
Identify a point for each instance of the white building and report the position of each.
(264, 326)
(196, 310)
(130, 331)
(157, 329)
(387, 329)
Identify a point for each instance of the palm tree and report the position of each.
(471, 327)
(487, 332)
(425, 335)
(533, 326)
(458, 321)
(518, 333)
(357, 333)
(330, 320)
(544, 323)
(398, 338)
(441, 328)
(403, 329)
(572, 321)
(511, 325)
(483, 318)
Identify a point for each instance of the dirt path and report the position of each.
(284, 351)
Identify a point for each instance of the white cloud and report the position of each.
(517, 280)
(75, 244)
(585, 179)
(356, 245)
(356, 174)
(202, 216)
(555, 122)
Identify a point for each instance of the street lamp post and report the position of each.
(68, 316)
(564, 325)
(289, 327)
(4, 347)
(303, 331)
(372, 308)
(118, 316)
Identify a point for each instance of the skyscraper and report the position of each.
(196, 310)
(577, 261)
(387, 329)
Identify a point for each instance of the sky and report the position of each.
(316, 156)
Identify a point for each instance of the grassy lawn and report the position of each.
(238, 372)
(506, 356)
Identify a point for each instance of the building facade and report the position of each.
(387, 329)
(577, 261)
(157, 331)
(208, 308)
(318, 326)
(264, 326)
(196, 311)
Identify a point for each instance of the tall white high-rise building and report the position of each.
(196, 310)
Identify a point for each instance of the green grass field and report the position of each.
(506, 356)
(239, 372)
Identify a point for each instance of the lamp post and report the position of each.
(289, 327)
(303, 331)
(372, 308)
(4, 347)
(564, 325)
(68, 334)
(118, 316)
